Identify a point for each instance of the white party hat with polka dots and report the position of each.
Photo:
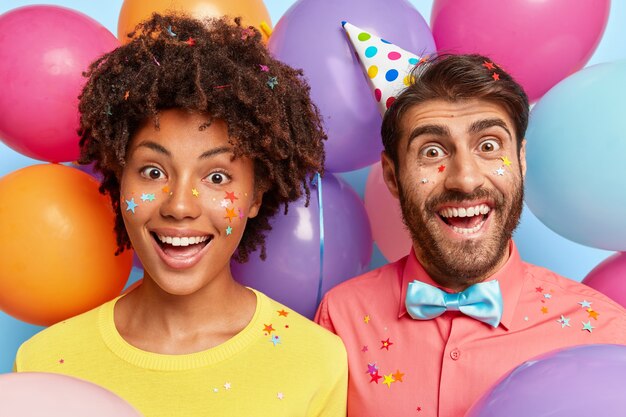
(386, 66)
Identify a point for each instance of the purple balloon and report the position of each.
(291, 272)
(310, 36)
(581, 381)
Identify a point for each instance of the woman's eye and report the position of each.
(489, 146)
(152, 173)
(218, 178)
(432, 152)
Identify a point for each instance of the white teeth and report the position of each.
(465, 212)
(468, 231)
(182, 241)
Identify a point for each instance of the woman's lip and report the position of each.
(175, 263)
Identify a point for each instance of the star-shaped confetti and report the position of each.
(272, 82)
(539, 289)
(544, 310)
(275, 340)
(231, 196)
(126, 94)
(506, 161)
(195, 192)
(230, 214)
(500, 171)
(264, 68)
(241, 215)
(564, 322)
(280, 395)
(547, 295)
(364, 348)
(386, 344)
(283, 313)
(388, 380)
(268, 328)
(441, 168)
(489, 65)
(587, 326)
(375, 377)
(398, 376)
(165, 189)
(170, 32)
(246, 33)
(229, 231)
(224, 203)
(131, 205)
(372, 368)
(61, 361)
(495, 76)
(147, 197)
(227, 385)
(190, 41)
(366, 319)
(592, 314)
(585, 304)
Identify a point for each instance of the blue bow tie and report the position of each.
(482, 301)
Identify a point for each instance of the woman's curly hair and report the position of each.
(214, 66)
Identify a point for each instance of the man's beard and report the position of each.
(469, 261)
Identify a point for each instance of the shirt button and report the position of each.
(455, 354)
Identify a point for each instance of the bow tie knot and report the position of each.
(482, 301)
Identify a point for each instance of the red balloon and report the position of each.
(43, 53)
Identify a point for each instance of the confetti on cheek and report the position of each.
(506, 161)
(231, 196)
(165, 189)
(241, 214)
(229, 231)
(441, 168)
(230, 214)
(148, 197)
(195, 192)
(131, 205)
(499, 171)
(223, 203)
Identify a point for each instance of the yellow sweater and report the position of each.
(281, 364)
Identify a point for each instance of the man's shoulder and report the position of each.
(548, 280)
(369, 283)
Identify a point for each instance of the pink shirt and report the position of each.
(404, 367)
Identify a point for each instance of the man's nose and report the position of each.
(464, 173)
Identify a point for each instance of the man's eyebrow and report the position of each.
(154, 146)
(484, 124)
(216, 151)
(435, 130)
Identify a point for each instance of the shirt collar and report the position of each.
(510, 277)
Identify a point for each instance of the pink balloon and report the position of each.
(538, 42)
(383, 210)
(35, 394)
(43, 53)
(609, 277)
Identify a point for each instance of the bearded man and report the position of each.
(428, 334)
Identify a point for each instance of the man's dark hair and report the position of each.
(214, 66)
(456, 78)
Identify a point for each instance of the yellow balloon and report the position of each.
(252, 13)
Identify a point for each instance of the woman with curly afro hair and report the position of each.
(200, 137)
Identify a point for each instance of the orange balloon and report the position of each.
(57, 245)
(252, 12)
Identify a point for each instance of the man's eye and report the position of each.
(218, 178)
(152, 173)
(489, 146)
(432, 152)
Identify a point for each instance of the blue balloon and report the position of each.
(576, 178)
(13, 333)
(11, 160)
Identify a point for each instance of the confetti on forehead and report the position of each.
(386, 65)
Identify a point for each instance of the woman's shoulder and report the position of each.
(62, 338)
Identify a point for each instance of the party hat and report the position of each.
(386, 65)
